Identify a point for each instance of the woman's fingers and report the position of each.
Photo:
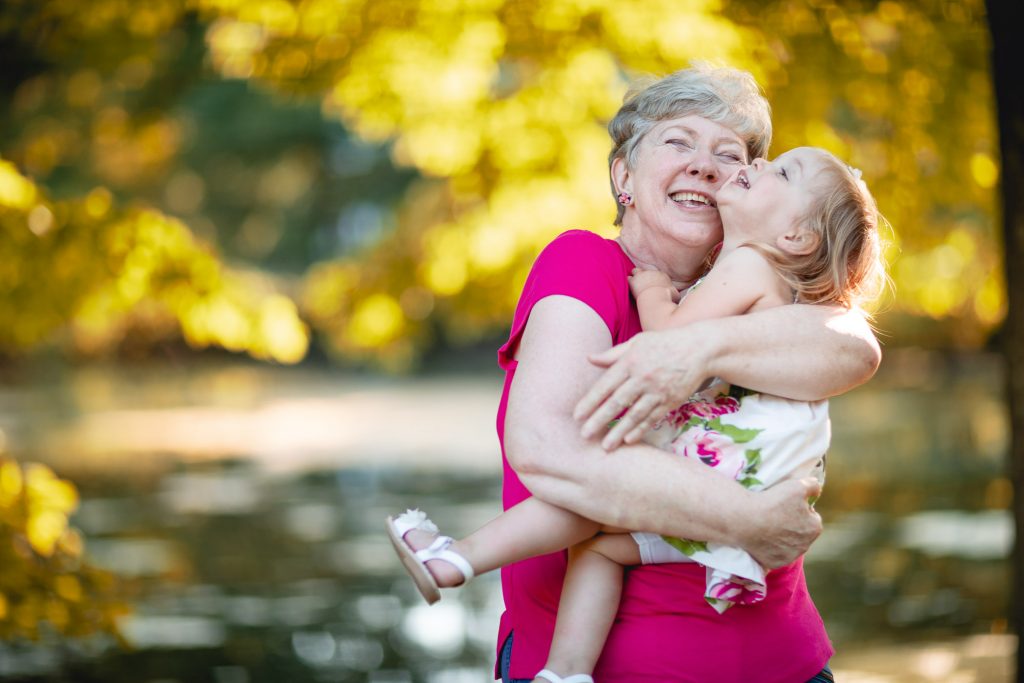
(638, 415)
(656, 414)
(607, 358)
(609, 381)
(788, 523)
(621, 399)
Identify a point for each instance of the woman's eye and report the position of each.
(731, 157)
(680, 143)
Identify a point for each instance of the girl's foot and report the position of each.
(548, 676)
(427, 556)
(445, 573)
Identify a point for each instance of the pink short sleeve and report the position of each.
(581, 265)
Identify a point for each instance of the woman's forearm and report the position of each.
(645, 489)
(635, 487)
(800, 352)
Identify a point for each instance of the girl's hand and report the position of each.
(642, 280)
(650, 376)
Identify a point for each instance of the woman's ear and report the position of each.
(621, 177)
(798, 242)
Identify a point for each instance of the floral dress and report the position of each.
(758, 440)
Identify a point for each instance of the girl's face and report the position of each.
(768, 200)
(680, 166)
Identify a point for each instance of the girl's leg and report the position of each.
(528, 529)
(590, 599)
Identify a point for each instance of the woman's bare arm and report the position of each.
(634, 487)
(801, 352)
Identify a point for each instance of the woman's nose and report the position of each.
(702, 165)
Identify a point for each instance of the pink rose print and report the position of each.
(704, 409)
(737, 591)
(703, 448)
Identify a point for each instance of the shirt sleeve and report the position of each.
(578, 264)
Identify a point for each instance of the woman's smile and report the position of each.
(693, 200)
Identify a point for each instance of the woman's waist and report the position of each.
(648, 590)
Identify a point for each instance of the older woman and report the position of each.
(675, 143)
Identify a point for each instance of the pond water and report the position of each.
(243, 507)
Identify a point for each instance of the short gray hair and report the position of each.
(728, 96)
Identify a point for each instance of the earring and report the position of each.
(625, 198)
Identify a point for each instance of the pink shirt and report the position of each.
(664, 630)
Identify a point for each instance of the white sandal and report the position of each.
(555, 678)
(415, 561)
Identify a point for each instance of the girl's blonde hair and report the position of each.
(846, 267)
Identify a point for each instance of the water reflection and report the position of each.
(274, 567)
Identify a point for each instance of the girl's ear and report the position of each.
(621, 177)
(799, 241)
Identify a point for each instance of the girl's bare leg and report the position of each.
(528, 529)
(590, 599)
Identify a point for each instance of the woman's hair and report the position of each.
(730, 97)
(846, 267)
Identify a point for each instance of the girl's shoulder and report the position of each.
(745, 256)
(756, 268)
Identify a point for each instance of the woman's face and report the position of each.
(680, 166)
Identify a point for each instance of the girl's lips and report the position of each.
(742, 180)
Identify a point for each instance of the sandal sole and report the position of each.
(416, 569)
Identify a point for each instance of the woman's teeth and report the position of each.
(680, 197)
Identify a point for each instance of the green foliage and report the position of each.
(228, 114)
(98, 273)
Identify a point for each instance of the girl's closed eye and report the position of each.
(782, 172)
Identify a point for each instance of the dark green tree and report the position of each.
(1004, 17)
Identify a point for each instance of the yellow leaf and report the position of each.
(10, 483)
(44, 529)
(68, 587)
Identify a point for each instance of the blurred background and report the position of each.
(256, 257)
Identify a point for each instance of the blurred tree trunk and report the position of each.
(1004, 22)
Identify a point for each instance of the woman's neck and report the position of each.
(683, 266)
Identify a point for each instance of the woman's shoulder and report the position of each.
(582, 245)
(582, 239)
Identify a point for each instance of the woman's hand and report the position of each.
(784, 524)
(650, 376)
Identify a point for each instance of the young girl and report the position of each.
(800, 228)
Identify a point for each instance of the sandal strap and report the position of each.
(555, 678)
(438, 550)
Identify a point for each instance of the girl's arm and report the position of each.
(739, 281)
(636, 487)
